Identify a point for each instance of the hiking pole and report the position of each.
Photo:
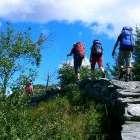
(47, 83)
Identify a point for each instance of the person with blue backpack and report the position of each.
(126, 46)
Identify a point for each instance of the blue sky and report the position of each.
(69, 21)
(59, 44)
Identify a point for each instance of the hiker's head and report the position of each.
(29, 82)
(76, 43)
(96, 42)
(127, 28)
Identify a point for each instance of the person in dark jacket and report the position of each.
(96, 56)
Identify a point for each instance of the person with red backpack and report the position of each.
(78, 52)
(96, 56)
(29, 88)
(126, 44)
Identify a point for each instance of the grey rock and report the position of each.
(134, 110)
(131, 131)
(130, 100)
(127, 93)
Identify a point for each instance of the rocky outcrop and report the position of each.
(124, 98)
(131, 130)
(126, 92)
(105, 93)
(129, 93)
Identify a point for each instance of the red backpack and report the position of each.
(80, 49)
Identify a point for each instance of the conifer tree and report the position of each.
(137, 55)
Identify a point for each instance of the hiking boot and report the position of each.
(78, 76)
(103, 76)
(127, 78)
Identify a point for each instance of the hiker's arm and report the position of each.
(102, 49)
(115, 46)
(91, 53)
(71, 52)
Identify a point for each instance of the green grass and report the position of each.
(67, 117)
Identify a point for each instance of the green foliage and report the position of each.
(39, 89)
(66, 75)
(12, 117)
(137, 55)
(111, 71)
(71, 117)
(86, 72)
(51, 120)
(74, 95)
(95, 121)
(18, 52)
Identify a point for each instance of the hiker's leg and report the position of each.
(80, 59)
(128, 55)
(121, 57)
(103, 72)
(100, 64)
(75, 65)
(79, 63)
(92, 64)
(120, 63)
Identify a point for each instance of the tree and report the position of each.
(137, 55)
(66, 75)
(18, 53)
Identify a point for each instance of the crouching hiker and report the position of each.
(29, 88)
(78, 52)
(96, 56)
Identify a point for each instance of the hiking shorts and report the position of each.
(77, 63)
(124, 58)
(97, 60)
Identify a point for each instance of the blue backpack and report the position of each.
(127, 38)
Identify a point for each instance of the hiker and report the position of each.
(29, 88)
(126, 45)
(96, 56)
(78, 52)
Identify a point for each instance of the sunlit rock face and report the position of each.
(127, 95)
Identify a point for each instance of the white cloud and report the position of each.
(103, 12)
